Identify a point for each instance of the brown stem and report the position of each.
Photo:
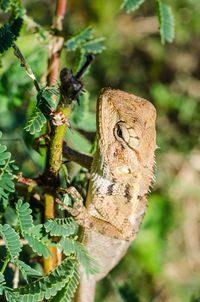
(80, 158)
(54, 60)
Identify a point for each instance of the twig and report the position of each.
(26, 66)
(80, 158)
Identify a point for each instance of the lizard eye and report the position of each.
(121, 132)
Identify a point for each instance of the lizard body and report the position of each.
(121, 174)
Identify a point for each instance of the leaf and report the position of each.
(35, 121)
(4, 156)
(131, 5)
(46, 100)
(71, 246)
(78, 141)
(2, 283)
(38, 246)
(84, 35)
(61, 227)
(48, 286)
(11, 239)
(16, 26)
(5, 4)
(67, 293)
(6, 38)
(79, 111)
(166, 21)
(81, 118)
(24, 216)
(37, 240)
(26, 270)
(93, 46)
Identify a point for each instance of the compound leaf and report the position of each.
(24, 216)
(11, 239)
(48, 286)
(35, 121)
(131, 5)
(26, 270)
(71, 246)
(166, 21)
(95, 46)
(61, 227)
(2, 283)
(81, 37)
(16, 26)
(7, 38)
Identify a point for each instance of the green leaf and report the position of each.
(67, 293)
(6, 38)
(61, 227)
(46, 100)
(2, 283)
(4, 156)
(166, 21)
(81, 118)
(95, 46)
(48, 286)
(131, 5)
(6, 183)
(35, 122)
(79, 111)
(81, 37)
(37, 240)
(4, 4)
(78, 141)
(24, 216)
(11, 239)
(16, 26)
(71, 246)
(26, 270)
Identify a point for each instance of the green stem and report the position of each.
(54, 159)
(5, 263)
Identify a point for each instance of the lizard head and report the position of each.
(127, 136)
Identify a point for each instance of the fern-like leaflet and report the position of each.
(71, 246)
(26, 270)
(11, 239)
(83, 42)
(33, 234)
(80, 38)
(166, 21)
(9, 33)
(6, 174)
(2, 283)
(64, 275)
(165, 17)
(131, 5)
(46, 103)
(5, 4)
(46, 100)
(35, 122)
(7, 38)
(61, 227)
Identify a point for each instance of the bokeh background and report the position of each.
(163, 263)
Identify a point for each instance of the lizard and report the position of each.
(121, 175)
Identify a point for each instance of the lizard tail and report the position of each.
(86, 289)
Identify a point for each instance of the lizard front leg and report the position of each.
(85, 219)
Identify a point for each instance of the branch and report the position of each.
(26, 66)
(80, 158)
(54, 151)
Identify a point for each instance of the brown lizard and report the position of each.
(121, 174)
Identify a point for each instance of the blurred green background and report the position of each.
(163, 263)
